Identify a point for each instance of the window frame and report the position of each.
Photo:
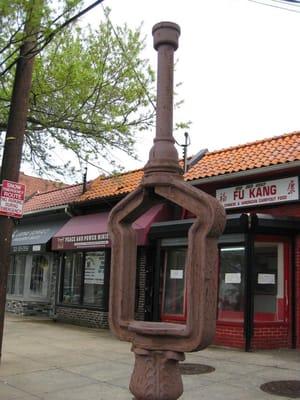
(14, 294)
(286, 242)
(168, 316)
(44, 295)
(104, 301)
(231, 320)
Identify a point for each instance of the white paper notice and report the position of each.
(266, 279)
(176, 274)
(233, 277)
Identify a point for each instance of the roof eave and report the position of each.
(64, 208)
(247, 173)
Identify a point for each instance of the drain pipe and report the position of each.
(249, 285)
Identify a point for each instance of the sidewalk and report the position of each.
(52, 361)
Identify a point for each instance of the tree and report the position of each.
(17, 119)
(91, 89)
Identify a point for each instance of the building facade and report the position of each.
(31, 288)
(259, 251)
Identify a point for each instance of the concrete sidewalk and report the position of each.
(52, 361)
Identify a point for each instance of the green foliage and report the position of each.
(90, 90)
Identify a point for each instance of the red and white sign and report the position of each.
(12, 198)
(255, 194)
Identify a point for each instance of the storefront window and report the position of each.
(83, 279)
(39, 275)
(231, 283)
(269, 282)
(174, 282)
(15, 284)
(94, 277)
(72, 278)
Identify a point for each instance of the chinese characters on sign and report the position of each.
(255, 194)
(12, 197)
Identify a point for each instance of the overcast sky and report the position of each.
(239, 62)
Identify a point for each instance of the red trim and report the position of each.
(181, 318)
(231, 315)
(284, 307)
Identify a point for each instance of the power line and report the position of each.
(276, 6)
(34, 51)
(287, 3)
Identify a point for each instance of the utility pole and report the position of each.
(14, 139)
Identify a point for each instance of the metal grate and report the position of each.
(195, 369)
(289, 389)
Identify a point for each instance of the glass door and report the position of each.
(173, 285)
(271, 265)
(231, 283)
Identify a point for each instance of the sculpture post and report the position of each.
(159, 346)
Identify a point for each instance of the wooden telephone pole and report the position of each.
(14, 139)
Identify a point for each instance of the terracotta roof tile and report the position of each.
(38, 185)
(113, 186)
(262, 153)
(54, 198)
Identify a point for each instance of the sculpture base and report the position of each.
(156, 375)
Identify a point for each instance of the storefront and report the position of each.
(258, 268)
(83, 284)
(32, 271)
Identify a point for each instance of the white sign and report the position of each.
(94, 268)
(255, 194)
(36, 247)
(176, 274)
(266, 279)
(233, 277)
(12, 196)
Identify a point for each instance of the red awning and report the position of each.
(90, 231)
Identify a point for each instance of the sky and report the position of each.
(239, 64)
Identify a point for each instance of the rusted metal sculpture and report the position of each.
(158, 346)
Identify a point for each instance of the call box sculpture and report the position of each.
(158, 346)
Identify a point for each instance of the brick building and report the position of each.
(258, 304)
(259, 252)
(32, 276)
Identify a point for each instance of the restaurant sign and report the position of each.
(255, 194)
(94, 240)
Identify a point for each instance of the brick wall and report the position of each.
(265, 336)
(271, 336)
(22, 307)
(82, 316)
(229, 335)
(297, 260)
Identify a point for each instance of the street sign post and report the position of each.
(12, 196)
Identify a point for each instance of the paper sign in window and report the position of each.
(266, 279)
(233, 277)
(176, 274)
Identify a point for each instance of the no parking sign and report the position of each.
(12, 196)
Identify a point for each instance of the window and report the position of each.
(39, 275)
(94, 277)
(231, 283)
(83, 279)
(15, 284)
(174, 282)
(72, 278)
(269, 281)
